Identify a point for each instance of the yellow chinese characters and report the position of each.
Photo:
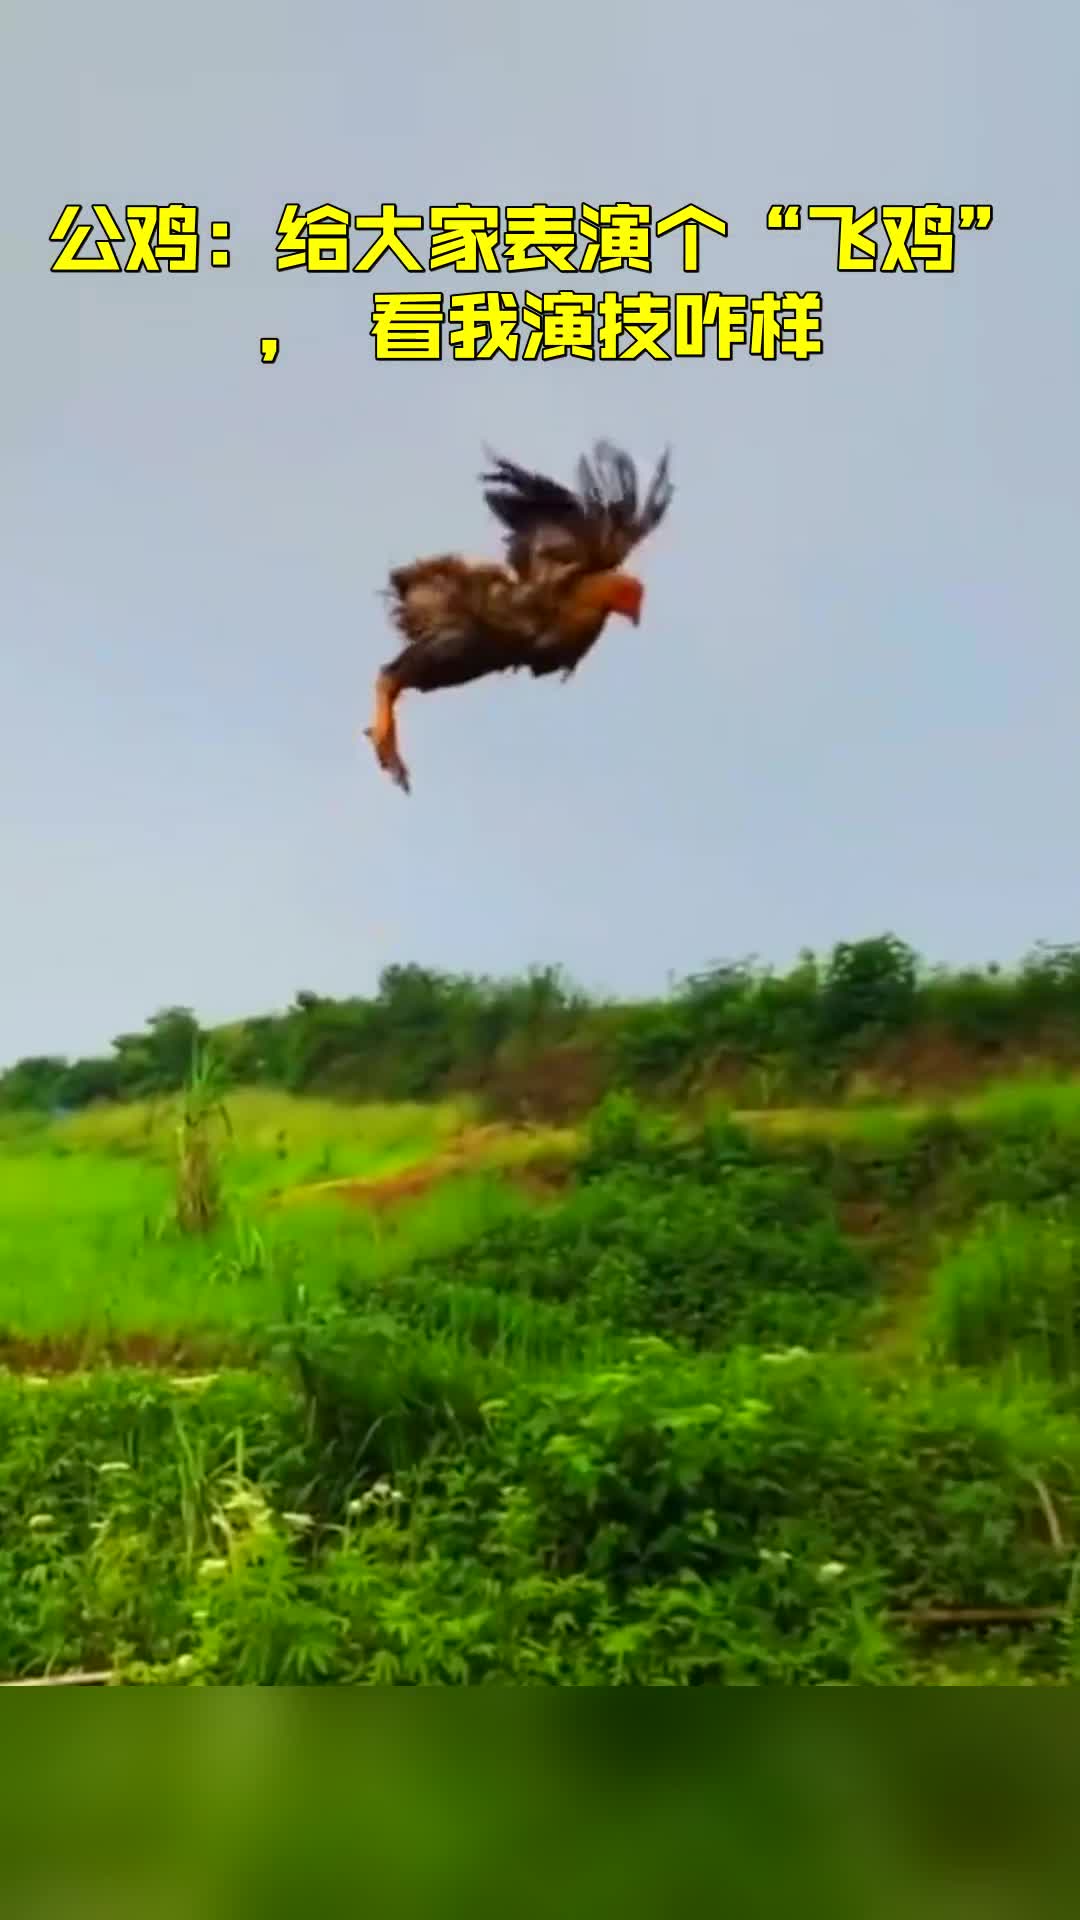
(567, 324)
(160, 237)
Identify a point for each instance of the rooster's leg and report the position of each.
(383, 731)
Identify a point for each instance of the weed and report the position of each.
(198, 1155)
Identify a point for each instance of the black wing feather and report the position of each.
(589, 531)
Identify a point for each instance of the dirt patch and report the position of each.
(553, 1088)
(862, 1219)
(477, 1149)
(932, 1061)
(380, 1196)
(53, 1353)
(541, 1179)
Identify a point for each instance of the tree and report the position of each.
(33, 1082)
(868, 984)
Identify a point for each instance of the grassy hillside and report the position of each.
(670, 1397)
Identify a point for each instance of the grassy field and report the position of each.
(752, 1399)
(88, 1249)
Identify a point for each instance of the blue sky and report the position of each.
(852, 704)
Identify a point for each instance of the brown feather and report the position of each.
(460, 621)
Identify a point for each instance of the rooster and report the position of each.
(543, 609)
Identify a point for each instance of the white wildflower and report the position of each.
(773, 1556)
(380, 1494)
(832, 1570)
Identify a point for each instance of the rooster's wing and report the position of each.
(552, 533)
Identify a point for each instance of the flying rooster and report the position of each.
(544, 609)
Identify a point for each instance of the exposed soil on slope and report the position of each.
(185, 1355)
(478, 1149)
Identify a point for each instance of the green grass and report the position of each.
(278, 1141)
(1008, 1296)
(630, 1422)
(83, 1251)
(1005, 1104)
(86, 1246)
(665, 1518)
(87, 1249)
